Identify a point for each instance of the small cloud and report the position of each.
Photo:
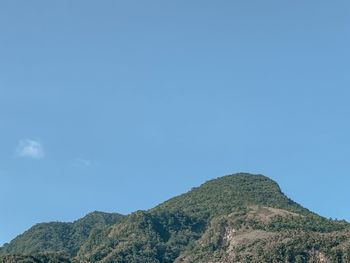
(83, 162)
(30, 148)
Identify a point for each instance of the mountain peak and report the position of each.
(228, 193)
(227, 219)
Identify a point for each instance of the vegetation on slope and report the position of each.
(236, 218)
(59, 236)
(37, 258)
(177, 227)
(230, 193)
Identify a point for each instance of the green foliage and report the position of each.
(58, 236)
(237, 218)
(231, 193)
(37, 258)
(147, 237)
(306, 223)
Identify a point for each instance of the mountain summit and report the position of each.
(228, 193)
(235, 218)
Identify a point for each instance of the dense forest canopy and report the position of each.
(235, 218)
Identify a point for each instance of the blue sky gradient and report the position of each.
(120, 105)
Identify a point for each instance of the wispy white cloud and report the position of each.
(83, 162)
(30, 148)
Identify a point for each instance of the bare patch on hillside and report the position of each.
(265, 214)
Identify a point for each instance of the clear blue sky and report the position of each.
(119, 105)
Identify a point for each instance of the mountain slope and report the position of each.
(183, 228)
(36, 258)
(59, 236)
(228, 193)
(235, 218)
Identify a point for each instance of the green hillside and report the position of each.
(37, 258)
(59, 236)
(235, 218)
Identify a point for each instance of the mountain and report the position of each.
(59, 236)
(37, 258)
(235, 218)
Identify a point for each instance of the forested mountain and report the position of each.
(235, 218)
(59, 236)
